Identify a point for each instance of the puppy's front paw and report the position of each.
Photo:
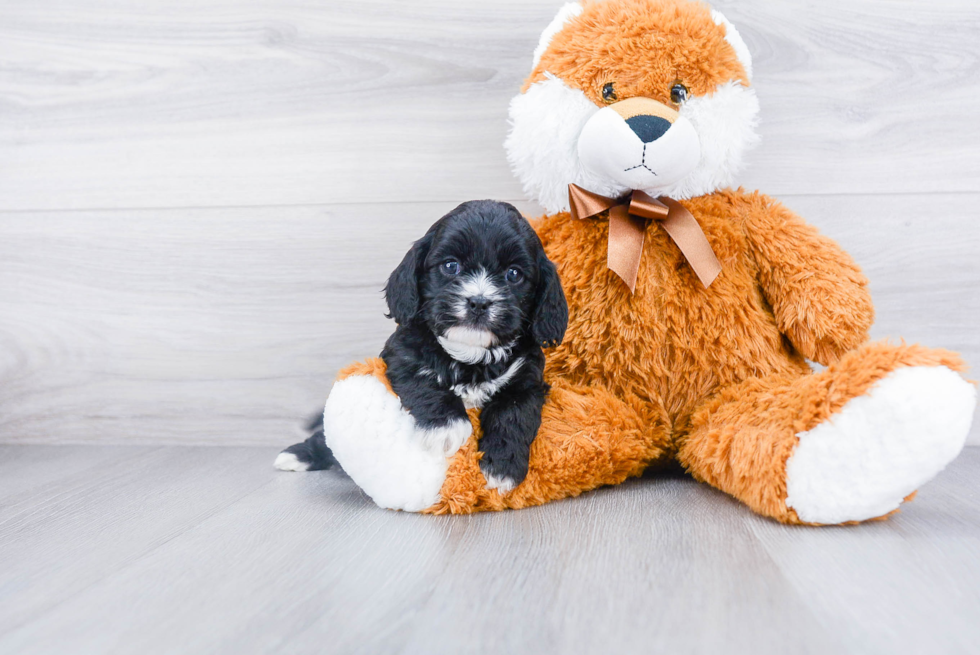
(447, 438)
(501, 477)
(502, 484)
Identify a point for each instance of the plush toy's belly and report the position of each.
(672, 342)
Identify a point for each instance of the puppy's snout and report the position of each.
(479, 304)
(648, 128)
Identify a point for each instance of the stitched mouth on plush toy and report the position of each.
(642, 164)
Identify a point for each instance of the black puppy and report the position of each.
(475, 300)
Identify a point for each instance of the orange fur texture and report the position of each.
(656, 45)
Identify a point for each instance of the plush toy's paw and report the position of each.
(863, 461)
(377, 443)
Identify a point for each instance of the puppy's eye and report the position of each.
(609, 93)
(514, 275)
(450, 267)
(678, 94)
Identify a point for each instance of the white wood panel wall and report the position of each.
(200, 200)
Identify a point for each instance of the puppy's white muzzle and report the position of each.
(638, 158)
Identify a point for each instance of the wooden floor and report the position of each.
(178, 549)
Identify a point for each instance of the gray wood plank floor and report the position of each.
(208, 550)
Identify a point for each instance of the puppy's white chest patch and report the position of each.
(477, 395)
(472, 346)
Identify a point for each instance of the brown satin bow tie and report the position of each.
(627, 224)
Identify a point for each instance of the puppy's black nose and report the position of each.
(648, 128)
(478, 304)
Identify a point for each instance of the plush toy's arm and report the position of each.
(818, 294)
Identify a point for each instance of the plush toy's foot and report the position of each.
(845, 445)
(863, 461)
(378, 444)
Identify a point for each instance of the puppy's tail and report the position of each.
(310, 455)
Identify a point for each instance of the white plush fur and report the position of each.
(725, 122)
(542, 145)
(289, 462)
(565, 14)
(547, 120)
(880, 447)
(378, 444)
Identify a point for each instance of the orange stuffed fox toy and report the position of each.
(693, 307)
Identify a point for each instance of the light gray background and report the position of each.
(199, 203)
(200, 200)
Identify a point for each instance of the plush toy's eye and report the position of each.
(514, 275)
(450, 267)
(678, 94)
(609, 93)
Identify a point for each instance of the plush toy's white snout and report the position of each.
(639, 143)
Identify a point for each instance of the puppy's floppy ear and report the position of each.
(402, 288)
(551, 310)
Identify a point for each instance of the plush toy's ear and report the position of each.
(565, 14)
(551, 310)
(735, 40)
(402, 288)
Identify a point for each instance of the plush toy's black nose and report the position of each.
(648, 128)
(478, 304)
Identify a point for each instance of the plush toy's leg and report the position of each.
(378, 445)
(847, 444)
(588, 438)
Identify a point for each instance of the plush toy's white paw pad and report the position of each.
(376, 442)
(289, 462)
(882, 446)
(447, 439)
